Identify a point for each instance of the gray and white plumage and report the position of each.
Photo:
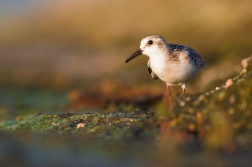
(174, 64)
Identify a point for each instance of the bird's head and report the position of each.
(151, 45)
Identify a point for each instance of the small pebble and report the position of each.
(182, 103)
(246, 61)
(80, 125)
(229, 82)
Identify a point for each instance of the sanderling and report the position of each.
(174, 64)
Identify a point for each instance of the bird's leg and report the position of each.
(183, 93)
(169, 91)
(170, 94)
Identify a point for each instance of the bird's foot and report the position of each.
(182, 96)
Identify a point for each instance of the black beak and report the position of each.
(137, 53)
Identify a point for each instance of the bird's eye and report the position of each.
(150, 42)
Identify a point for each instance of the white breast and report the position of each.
(173, 72)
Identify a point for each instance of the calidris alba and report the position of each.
(174, 64)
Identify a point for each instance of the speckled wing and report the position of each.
(152, 74)
(194, 56)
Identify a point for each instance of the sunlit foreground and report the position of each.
(213, 128)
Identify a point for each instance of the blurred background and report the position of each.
(50, 48)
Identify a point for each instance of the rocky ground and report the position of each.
(209, 129)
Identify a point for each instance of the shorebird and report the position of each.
(173, 63)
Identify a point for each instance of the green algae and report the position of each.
(114, 125)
